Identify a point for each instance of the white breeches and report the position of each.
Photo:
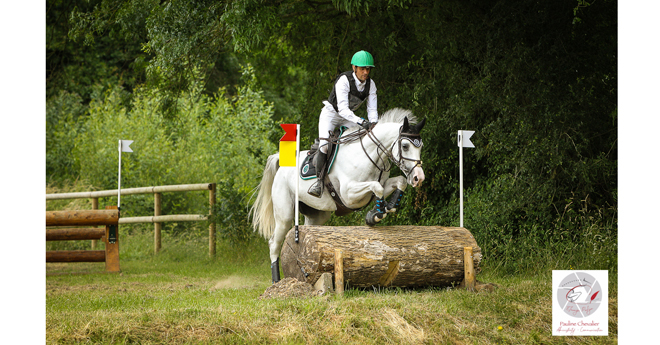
(328, 121)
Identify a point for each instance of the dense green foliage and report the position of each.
(537, 81)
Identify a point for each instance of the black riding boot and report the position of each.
(319, 163)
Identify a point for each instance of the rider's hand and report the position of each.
(365, 124)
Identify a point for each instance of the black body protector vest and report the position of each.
(355, 97)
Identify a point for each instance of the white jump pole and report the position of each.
(297, 178)
(119, 180)
(124, 146)
(463, 141)
(460, 169)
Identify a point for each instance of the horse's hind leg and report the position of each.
(284, 214)
(275, 245)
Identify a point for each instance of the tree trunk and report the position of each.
(403, 256)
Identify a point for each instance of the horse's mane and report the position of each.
(396, 115)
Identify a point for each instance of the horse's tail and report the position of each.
(263, 219)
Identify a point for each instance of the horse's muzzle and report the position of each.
(417, 176)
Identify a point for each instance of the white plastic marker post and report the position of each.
(463, 141)
(297, 179)
(124, 146)
(289, 152)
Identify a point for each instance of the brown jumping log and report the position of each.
(82, 218)
(75, 234)
(403, 256)
(75, 256)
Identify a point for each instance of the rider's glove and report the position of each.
(365, 124)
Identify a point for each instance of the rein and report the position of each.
(414, 138)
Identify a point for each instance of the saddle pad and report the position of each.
(307, 169)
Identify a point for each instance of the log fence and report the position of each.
(157, 219)
(110, 235)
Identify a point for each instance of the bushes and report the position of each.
(203, 139)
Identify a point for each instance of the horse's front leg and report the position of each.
(357, 191)
(394, 186)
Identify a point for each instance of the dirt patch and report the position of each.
(234, 282)
(289, 287)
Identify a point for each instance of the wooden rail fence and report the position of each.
(110, 235)
(157, 218)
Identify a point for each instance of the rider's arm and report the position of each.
(342, 88)
(372, 104)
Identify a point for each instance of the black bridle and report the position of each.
(414, 138)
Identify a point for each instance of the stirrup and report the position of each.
(316, 189)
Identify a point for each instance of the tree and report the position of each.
(537, 85)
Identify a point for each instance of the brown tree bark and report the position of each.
(403, 256)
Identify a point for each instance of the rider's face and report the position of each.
(362, 73)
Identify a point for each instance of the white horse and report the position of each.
(360, 171)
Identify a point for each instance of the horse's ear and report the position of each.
(406, 126)
(419, 126)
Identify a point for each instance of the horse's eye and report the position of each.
(405, 147)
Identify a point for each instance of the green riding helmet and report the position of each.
(362, 59)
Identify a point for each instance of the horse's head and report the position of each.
(407, 152)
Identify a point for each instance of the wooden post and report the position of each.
(112, 249)
(157, 226)
(468, 263)
(212, 225)
(339, 272)
(95, 206)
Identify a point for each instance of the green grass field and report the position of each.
(180, 296)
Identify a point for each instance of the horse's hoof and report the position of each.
(373, 217)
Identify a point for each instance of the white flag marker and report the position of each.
(463, 141)
(124, 146)
(464, 137)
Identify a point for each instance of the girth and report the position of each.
(342, 209)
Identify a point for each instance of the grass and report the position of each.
(180, 296)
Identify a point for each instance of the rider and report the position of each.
(351, 89)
